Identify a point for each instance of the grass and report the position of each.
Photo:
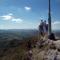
(15, 49)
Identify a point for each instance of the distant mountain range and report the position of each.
(57, 33)
(16, 34)
(20, 34)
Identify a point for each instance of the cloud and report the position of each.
(56, 25)
(7, 17)
(17, 20)
(10, 17)
(10, 14)
(56, 22)
(27, 8)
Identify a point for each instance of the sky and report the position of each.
(27, 14)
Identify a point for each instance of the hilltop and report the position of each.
(16, 48)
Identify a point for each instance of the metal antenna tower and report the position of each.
(49, 18)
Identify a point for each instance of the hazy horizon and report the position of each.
(28, 29)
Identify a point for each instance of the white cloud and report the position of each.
(56, 25)
(17, 20)
(56, 22)
(11, 18)
(27, 8)
(10, 14)
(7, 17)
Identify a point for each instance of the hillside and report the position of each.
(18, 34)
(15, 49)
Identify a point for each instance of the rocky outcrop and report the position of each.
(51, 50)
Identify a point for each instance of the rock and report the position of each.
(50, 54)
(58, 57)
(52, 36)
(57, 44)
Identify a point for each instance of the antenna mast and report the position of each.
(49, 18)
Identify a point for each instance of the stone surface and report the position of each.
(48, 53)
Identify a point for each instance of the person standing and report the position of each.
(41, 28)
(45, 27)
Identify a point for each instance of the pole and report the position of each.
(49, 19)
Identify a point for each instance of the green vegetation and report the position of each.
(15, 49)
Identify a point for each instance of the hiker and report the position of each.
(45, 27)
(41, 28)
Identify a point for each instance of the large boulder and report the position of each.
(57, 44)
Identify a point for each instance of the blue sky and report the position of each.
(26, 14)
